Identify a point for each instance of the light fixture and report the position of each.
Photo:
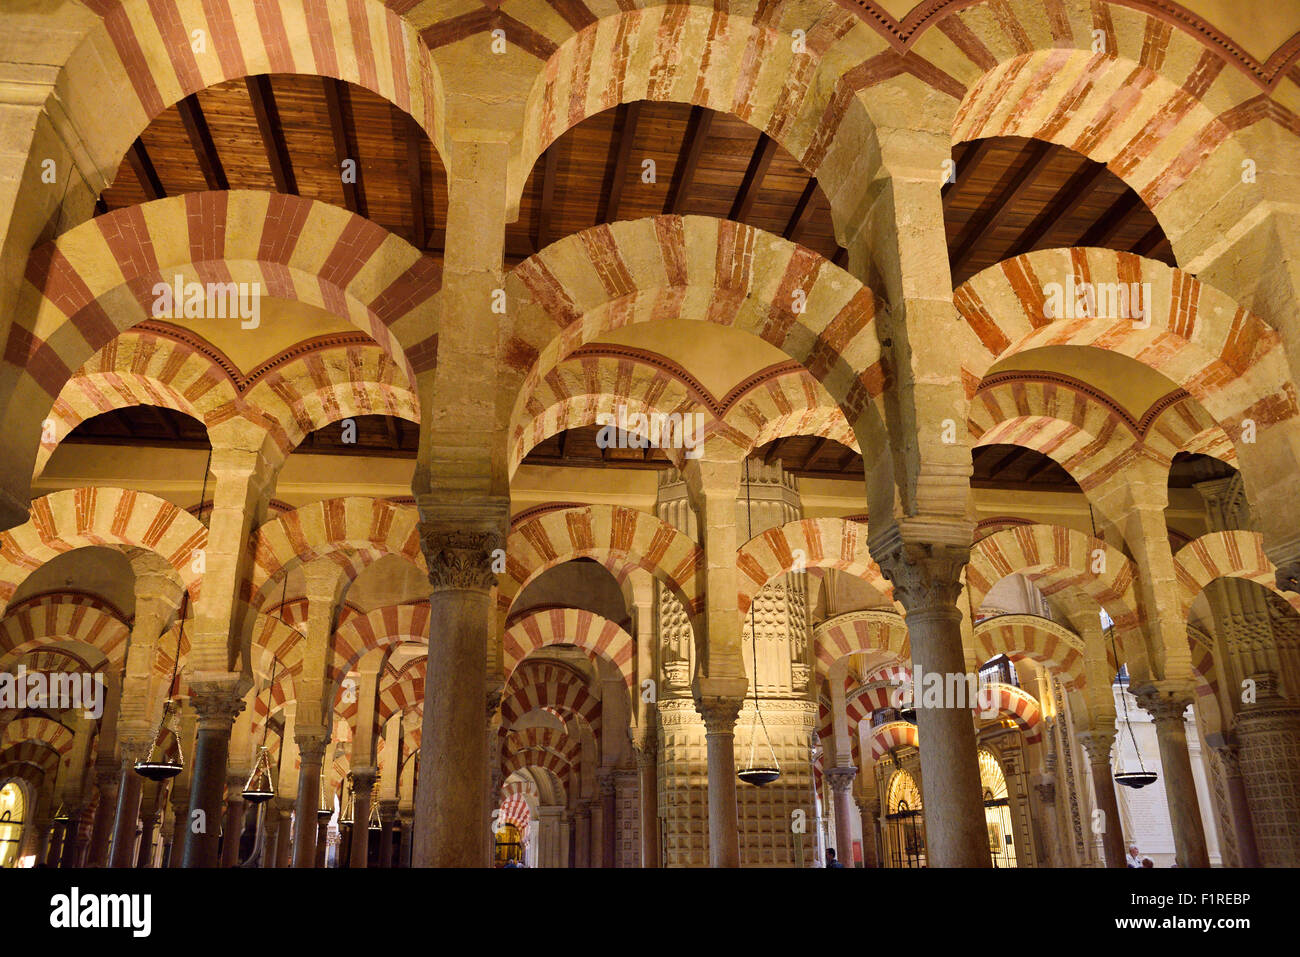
(758, 775)
(346, 815)
(165, 759)
(1130, 779)
(259, 787)
(374, 824)
(62, 815)
(324, 807)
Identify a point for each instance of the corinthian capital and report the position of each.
(461, 559)
(1164, 701)
(925, 576)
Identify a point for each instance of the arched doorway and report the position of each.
(997, 811)
(12, 814)
(904, 823)
(509, 846)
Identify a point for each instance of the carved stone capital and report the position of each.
(926, 577)
(363, 779)
(1164, 701)
(460, 559)
(719, 700)
(1098, 743)
(645, 742)
(841, 779)
(311, 744)
(216, 708)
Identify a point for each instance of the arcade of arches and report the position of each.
(520, 418)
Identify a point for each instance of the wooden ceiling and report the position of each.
(292, 133)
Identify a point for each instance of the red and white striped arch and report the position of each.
(385, 627)
(620, 538)
(855, 632)
(53, 620)
(1056, 558)
(1034, 637)
(810, 543)
(352, 532)
(544, 686)
(100, 515)
(1015, 703)
(597, 636)
(890, 735)
(1228, 554)
(712, 270)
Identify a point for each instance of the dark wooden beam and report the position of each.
(546, 209)
(1006, 460)
(815, 451)
(394, 436)
(697, 132)
(144, 170)
(415, 175)
(1149, 243)
(1069, 197)
(764, 150)
(1036, 158)
(622, 154)
(336, 101)
(802, 210)
(196, 128)
(1104, 229)
(970, 159)
(268, 123)
(1042, 465)
(772, 451)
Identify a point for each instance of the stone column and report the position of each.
(149, 813)
(1098, 743)
(387, 815)
(869, 813)
(449, 794)
(719, 712)
(322, 840)
(233, 827)
(405, 852)
(582, 836)
(1243, 830)
(1268, 731)
(180, 808)
(284, 839)
(216, 711)
(363, 782)
(54, 849)
(128, 808)
(1166, 702)
(926, 580)
(106, 780)
(608, 823)
(841, 781)
(647, 765)
(311, 753)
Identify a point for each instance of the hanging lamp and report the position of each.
(374, 823)
(165, 759)
(61, 815)
(753, 773)
(325, 807)
(259, 787)
(1130, 779)
(347, 814)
